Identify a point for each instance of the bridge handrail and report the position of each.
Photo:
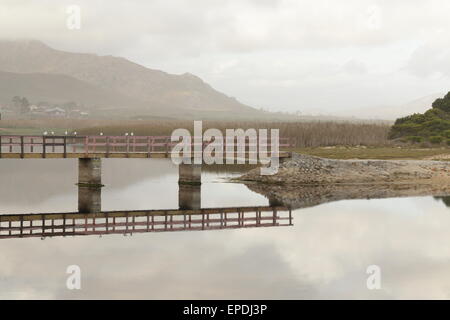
(108, 144)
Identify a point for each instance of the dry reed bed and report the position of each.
(305, 134)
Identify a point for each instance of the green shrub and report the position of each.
(436, 139)
(447, 133)
(433, 125)
(415, 139)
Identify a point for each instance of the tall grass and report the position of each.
(304, 134)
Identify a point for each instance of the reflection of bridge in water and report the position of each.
(139, 221)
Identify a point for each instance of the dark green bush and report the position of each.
(447, 133)
(436, 139)
(433, 125)
(415, 139)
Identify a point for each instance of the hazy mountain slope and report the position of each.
(418, 105)
(184, 93)
(59, 89)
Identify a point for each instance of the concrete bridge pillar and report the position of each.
(90, 172)
(89, 185)
(89, 199)
(189, 197)
(189, 184)
(190, 174)
(274, 202)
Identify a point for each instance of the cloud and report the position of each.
(244, 47)
(354, 67)
(431, 58)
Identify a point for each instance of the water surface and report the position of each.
(325, 253)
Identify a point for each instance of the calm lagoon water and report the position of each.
(325, 254)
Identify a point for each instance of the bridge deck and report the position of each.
(78, 155)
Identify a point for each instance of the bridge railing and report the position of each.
(107, 144)
(129, 222)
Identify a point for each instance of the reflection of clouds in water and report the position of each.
(177, 265)
(37, 185)
(49, 186)
(336, 242)
(325, 255)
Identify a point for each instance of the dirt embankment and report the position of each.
(303, 169)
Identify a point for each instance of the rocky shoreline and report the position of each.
(305, 181)
(309, 170)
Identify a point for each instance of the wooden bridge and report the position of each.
(140, 221)
(89, 150)
(50, 146)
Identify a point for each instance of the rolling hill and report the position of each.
(33, 69)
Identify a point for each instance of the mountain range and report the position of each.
(108, 86)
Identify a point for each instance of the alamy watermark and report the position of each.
(73, 282)
(73, 21)
(212, 147)
(374, 280)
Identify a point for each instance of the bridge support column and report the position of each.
(89, 185)
(189, 197)
(90, 172)
(274, 202)
(189, 184)
(190, 174)
(89, 199)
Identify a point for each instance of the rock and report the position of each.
(304, 169)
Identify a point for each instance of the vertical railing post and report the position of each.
(64, 225)
(21, 147)
(65, 146)
(148, 147)
(43, 146)
(107, 147)
(167, 146)
(10, 144)
(32, 145)
(0, 146)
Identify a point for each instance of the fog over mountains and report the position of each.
(116, 88)
(108, 86)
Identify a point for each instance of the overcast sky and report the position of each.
(318, 56)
